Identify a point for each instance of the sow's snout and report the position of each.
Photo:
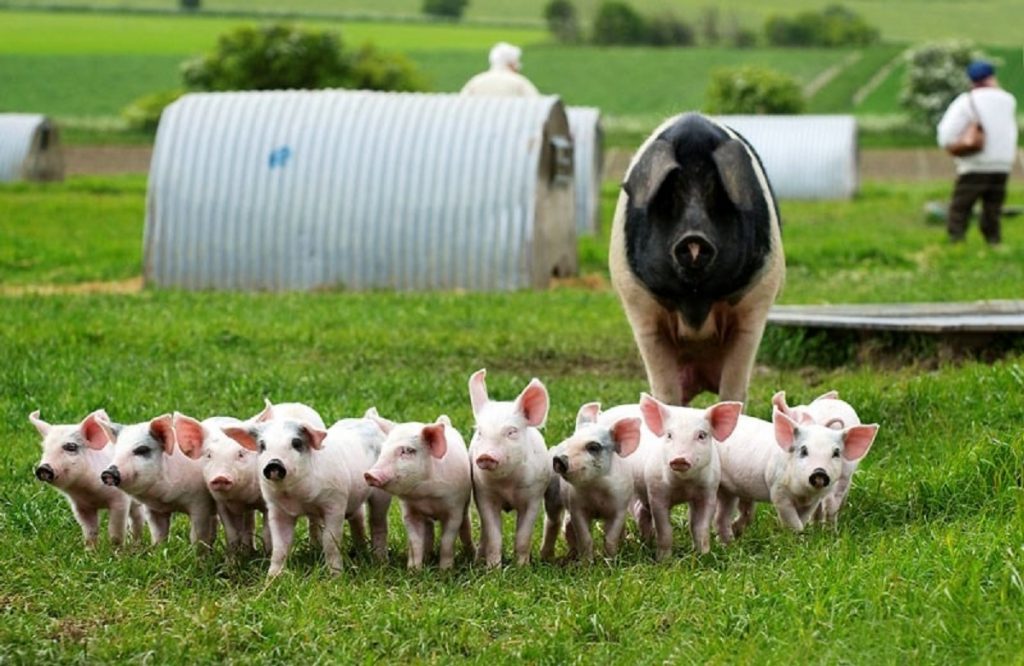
(694, 252)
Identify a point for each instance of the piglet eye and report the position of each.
(701, 435)
(835, 453)
(263, 445)
(803, 451)
(70, 447)
(668, 436)
(408, 451)
(593, 448)
(512, 433)
(141, 451)
(297, 444)
(241, 455)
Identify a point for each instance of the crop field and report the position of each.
(84, 69)
(926, 565)
(989, 21)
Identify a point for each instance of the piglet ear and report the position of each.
(478, 390)
(779, 402)
(533, 403)
(316, 435)
(831, 395)
(786, 430)
(723, 418)
(649, 173)
(857, 441)
(42, 426)
(434, 436)
(626, 434)
(162, 431)
(655, 414)
(587, 414)
(384, 424)
(268, 412)
(189, 434)
(108, 429)
(92, 430)
(246, 437)
(443, 419)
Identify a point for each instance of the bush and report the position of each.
(935, 76)
(144, 113)
(753, 89)
(278, 56)
(563, 21)
(619, 23)
(452, 9)
(833, 26)
(190, 5)
(668, 30)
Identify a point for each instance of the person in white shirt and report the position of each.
(981, 175)
(503, 78)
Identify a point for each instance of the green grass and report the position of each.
(925, 567)
(992, 21)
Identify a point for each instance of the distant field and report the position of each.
(989, 21)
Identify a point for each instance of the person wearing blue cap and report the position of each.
(983, 158)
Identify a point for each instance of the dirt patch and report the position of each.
(99, 160)
(129, 286)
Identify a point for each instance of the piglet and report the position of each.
(427, 468)
(794, 466)
(827, 410)
(596, 481)
(512, 468)
(683, 466)
(308, 471)
(148, 465)
(73, 457)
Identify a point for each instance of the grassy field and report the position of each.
(991, 21)
(84, 68)
(926, 565)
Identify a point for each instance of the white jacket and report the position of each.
(998, 111)
(501, 82)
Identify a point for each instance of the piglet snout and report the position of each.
(373, 479)
(485, 461)
(221, 483)
(680, 464)
(560, 465)
(274, 470)
(111, 476)
(819, 478)
(45, 473)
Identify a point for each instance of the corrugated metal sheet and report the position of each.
(303, 190)
(17, 131)
(585, 125)
(806, 157)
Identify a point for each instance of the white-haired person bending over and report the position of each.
(503, 78)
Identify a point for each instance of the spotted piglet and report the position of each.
(793, 466)
(511, 466)
(308, 471)
(827, 410)
(73, 458)
(148, 465)
(596, 481)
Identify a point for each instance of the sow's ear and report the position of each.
(649, 173)
(736, 169)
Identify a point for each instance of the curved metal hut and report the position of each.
(588, 151)
(29, 148)
(805, 157)
(295, 190)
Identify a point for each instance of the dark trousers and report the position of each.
(991, 189)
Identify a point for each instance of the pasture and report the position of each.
(925, 566)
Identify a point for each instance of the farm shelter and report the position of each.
(293, 190)
(588, 153)
(805, 157)
(29, 148)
